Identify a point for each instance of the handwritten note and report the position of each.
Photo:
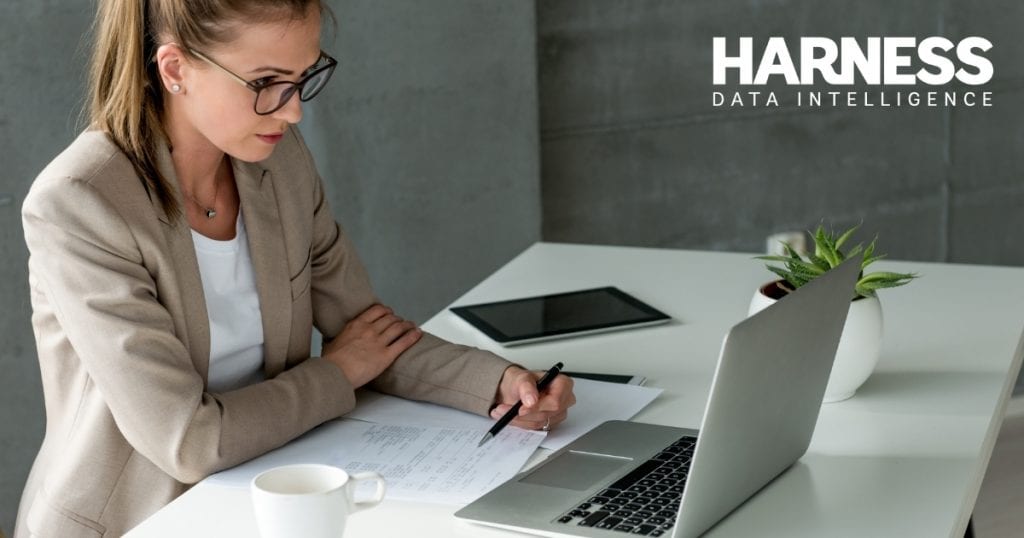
(441, 465)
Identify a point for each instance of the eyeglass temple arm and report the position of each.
(237, 78)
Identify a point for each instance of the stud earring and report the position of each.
(175, 88)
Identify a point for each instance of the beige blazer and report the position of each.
(123, 338)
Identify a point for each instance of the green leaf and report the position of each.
(868, 260)
(819, 240)
(882, 276)
(775, 258)
(871, 248)
(868, 289)
(863, 292)
(820, 262)
(800, 279)
(808, 267)
(793, 254)
(785, 275)
(842, 239)
(824, 248)
(882, 284)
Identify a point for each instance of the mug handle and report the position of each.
(378, 495)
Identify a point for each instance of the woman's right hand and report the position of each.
(369, 343)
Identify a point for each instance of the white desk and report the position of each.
(905, 457)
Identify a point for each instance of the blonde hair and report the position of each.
(125, 86)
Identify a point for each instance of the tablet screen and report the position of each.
(559, 315)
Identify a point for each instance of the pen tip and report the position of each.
(487, 437)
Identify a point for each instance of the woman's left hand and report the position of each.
(539, 411)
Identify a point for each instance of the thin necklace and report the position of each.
(210, 211)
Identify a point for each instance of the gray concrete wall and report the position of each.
(634, 153)
(41, 79)
(430, 141)
(427, 138)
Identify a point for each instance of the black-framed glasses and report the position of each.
(271, 96)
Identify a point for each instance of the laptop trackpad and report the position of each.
(575, 470)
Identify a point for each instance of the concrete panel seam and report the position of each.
(726, 114)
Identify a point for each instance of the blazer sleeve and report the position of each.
(85, 261)
(433, 369)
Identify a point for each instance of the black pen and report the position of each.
(511, 414)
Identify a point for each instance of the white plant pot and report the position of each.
(859, 347)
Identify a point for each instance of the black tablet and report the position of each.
(560, 315)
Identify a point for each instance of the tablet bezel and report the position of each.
(653, 316)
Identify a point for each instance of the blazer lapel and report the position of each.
(270, 264)
(190, 309)
(270, 261)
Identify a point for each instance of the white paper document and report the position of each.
(441, 465)
(428, 464)
(596, 402)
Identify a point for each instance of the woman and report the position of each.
(182, 251)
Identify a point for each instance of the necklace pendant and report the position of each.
(210, 213)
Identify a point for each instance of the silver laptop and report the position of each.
(630, 478)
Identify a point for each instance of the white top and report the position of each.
(233, 306)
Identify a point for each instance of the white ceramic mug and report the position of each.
(308, 500)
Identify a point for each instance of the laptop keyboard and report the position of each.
(645, 501)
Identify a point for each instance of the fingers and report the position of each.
(405, 341)
(540, 421)
(558, 395)
(370, 342)
(532, 421)
(382, 324)
(526, 386)
(392, 331)
(549, 409)
(374, 313)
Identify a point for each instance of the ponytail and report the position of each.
(126, 96)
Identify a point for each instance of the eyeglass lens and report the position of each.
(274, 96)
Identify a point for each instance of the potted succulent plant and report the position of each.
(861, 342)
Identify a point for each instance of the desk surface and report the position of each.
(904, 457)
